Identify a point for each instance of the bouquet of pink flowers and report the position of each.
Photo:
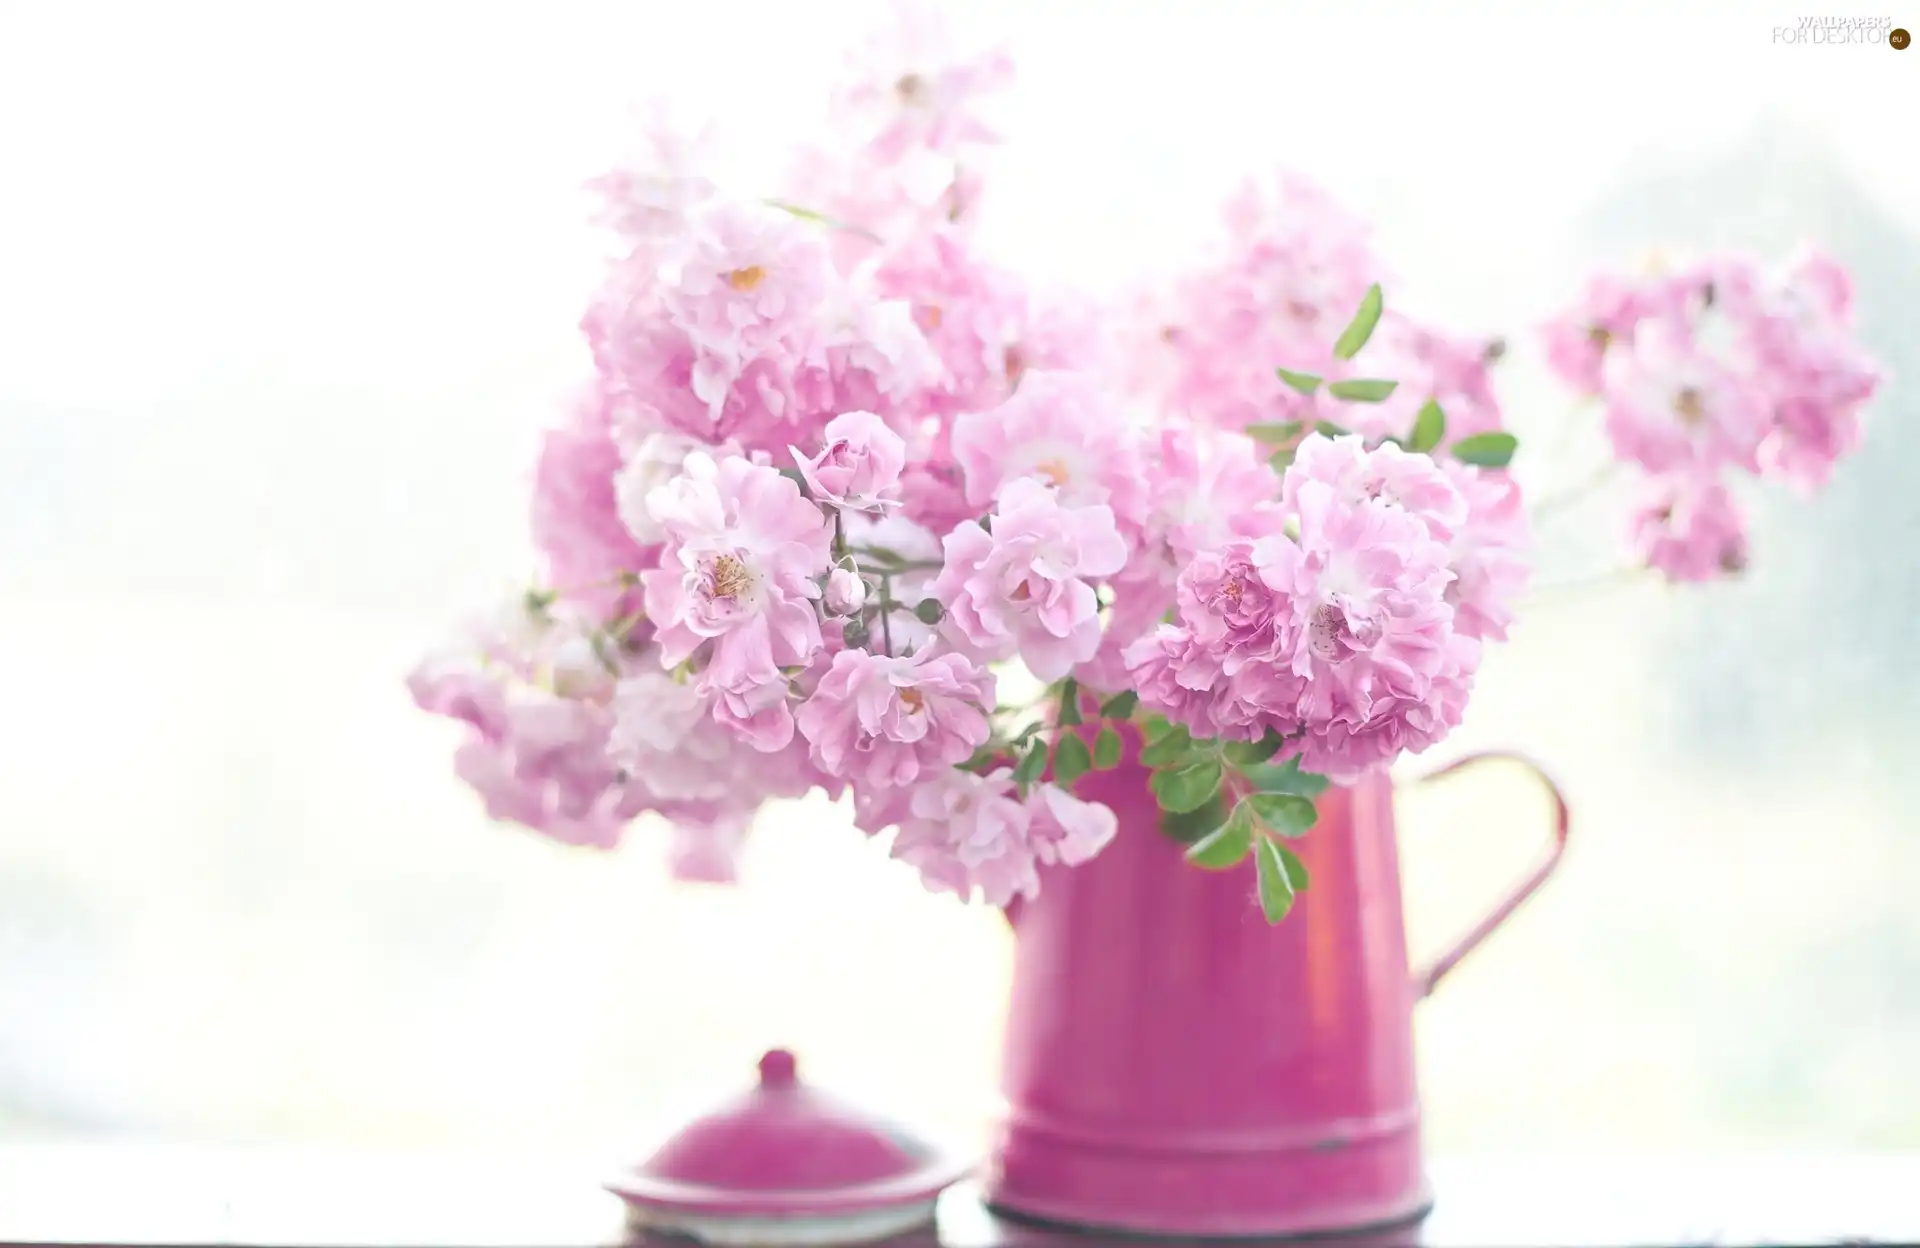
(836, 472)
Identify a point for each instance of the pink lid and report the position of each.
(783, 1149)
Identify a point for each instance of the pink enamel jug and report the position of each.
(1176, 1066)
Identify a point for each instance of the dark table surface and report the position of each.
(139, 1196)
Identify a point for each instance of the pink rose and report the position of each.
(1026, 587)
(859, 467)
(886, 722)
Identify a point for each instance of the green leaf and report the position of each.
(1193, 825)
(1175, 747)
(1244, 753)
(1429, 427)
(1362, 391)
(1303, 383)
(1276, 889)
(1280, 461)
(1032, 763)
(1284, 814)
(929, 611)
(1070, 759)
(1296, 870)
(1070, 702)
(1275, 435)
(1226, 846)
(1186, 788)
(1120, 705)
(1286, 778)
(1107, 748)
(854, 633)
(1157, 725)
(1327, 429)
(983, 760)
(1360, 328)
(1486, 450)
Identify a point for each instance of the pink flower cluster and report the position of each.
(1713, 371)
(836, 470)
(1333, 631)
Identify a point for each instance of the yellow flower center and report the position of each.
(746, 279)
(1053, 470)
(729, 578)
(1689, 407)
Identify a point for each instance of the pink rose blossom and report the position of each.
(1375, 641)
(1288, 275)
(590, 554)
(1491, 553)
(1226, 669)
(1157, 664)
(651, 195)
(460, 687)
(1690, 528)
(884, 722)
(654, 460)
(969, 313)
(1405, 480)
(684, 763)
(1578, 340)
(536, 753)
(914, 86)
(744, 551)
(859, 466)
(665, 736)
(845, 593)
(964, 832)
(708, 853)
(1058, 427)
(1230, 612)
(1343, 742)
(911, 125)
(1206, 486)
(1026, 587)
(744, 280)
(1678, 397)
(738, 329)
(1064, 829)
(1452, 371)
(875, 359)
(548, 770)
(1818, 377)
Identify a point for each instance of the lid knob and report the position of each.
(777, 1070)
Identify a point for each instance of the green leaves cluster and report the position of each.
(1226, 801)
(1069, 752)
(1484, 450)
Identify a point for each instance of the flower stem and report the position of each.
(886, 612)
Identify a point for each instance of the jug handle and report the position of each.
(1428, 977)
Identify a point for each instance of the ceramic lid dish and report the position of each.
(785, 1164)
